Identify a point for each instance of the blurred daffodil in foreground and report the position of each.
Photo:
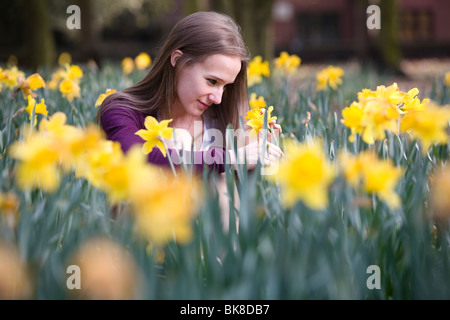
(14, 276)
(163, 210)
(38, 158)
(108, 271)
(154, 134)
(305, 174)
(371, 174)
(331, 76)
(440, 192)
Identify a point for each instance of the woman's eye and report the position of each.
(212, 81)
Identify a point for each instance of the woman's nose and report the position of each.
(216, 96)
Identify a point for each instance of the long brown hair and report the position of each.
(198, 35)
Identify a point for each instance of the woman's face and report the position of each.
(202, 84)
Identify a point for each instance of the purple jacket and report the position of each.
(120, 124)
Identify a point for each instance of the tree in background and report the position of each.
(389, 42)
(254, 17)
(37, 33)
(382, 45)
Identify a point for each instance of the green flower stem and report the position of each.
(33, 113)
(170, 158)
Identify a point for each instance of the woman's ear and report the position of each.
(174, 57)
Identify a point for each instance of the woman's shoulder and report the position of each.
(119, 109)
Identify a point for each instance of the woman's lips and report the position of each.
(203, 105)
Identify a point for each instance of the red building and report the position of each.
(337, 28)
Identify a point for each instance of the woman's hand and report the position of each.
(252, 152)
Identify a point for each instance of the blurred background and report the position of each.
(35, 31)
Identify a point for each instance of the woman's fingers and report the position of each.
(275, 150)
(274, 125)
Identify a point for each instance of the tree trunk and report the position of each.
(361, 36)
(255, 19)
(38, 36)
(191, 6)
(89, 33)
(389, 35)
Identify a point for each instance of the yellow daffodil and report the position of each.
(71, 76)
(154, 134)
(121, 177)
(31, 83)
(76, 144)
(142, 61)
(428, 125)
(69, 89)
(96, 162)
(257, 103)
(37, 166)
(305, 174)
(102, 96)
(411, 101)
(40, 108)
(127, 65)
(257, 69)
(331, 76)
(167, 212)
(164, 211)
(352, 118)
(63, 138)
(366, 94)
(391, 94)
(72, 73)
(55, 125)
(287, 63)
(378, 111)
(373, 175)
(56, 78)
(256, 120)
(378, 117)
(10, 77)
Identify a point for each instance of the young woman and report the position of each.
(199, 80)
